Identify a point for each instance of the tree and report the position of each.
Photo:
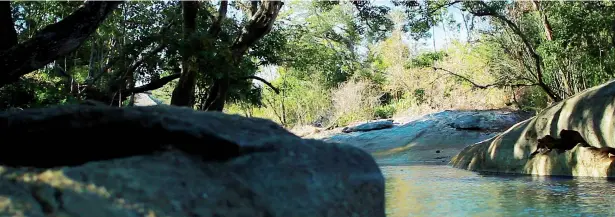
(480, 9)
(53, 41)
(183, 95)
(263, 15)
(116, 57)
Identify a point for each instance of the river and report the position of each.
(445, 191)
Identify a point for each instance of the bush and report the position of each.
(385, 111)
(354, 101)
(531, 99)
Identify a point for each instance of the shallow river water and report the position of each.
(446, 191)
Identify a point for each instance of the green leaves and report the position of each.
(426, 59)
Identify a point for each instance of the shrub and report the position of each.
(385, 111)
(354, 101)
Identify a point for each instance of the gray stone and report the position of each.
(469, 121)
(369, 126)
(270, 172)
(483, 121)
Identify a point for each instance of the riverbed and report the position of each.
(440, 190)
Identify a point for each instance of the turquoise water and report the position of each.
(445, 191)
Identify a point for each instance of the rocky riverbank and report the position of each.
(431, 139)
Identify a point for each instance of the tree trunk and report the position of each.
(131, 85)
(51, 42)
(284, 103)
(92, 69)
(183, 94)
(8, 35)
(260, 24)
(545, 21)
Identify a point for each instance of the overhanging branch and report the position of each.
(276, 90)
(54, 40)
(150, 39)
(152, 85)
(135, 65)
(488, 11)
(499, 84)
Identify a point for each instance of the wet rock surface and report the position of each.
(169, 161)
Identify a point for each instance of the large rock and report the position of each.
(589, 113)
(167, 161)
(431, 139)
(369, 126)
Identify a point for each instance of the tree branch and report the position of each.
(276, 90)
(150, 39)
(152, 85)
(135, 65)
(92, 66)
(54, 40)
(62, 72)
(260, 24)
(488, 11)
(8, 35)
(545, 20)
(254, 6)
(499, 84)
(216, 25)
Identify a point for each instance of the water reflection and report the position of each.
(445, 191)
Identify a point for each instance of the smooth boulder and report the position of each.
(170, 161)
(590, 114)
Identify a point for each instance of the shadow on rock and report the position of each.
(589, 114)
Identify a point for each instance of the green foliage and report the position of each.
(426, 59)
(583, 46)
(371, 20)
(532, 99)
(578, 56)
(300, 102)
(419, 96)
(102, 61)
(334, 61)
(34, 91)
(385, 111)
(421, 16)
(164, 93)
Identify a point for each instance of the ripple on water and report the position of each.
(444, 191)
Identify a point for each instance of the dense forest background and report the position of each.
(317, 63)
